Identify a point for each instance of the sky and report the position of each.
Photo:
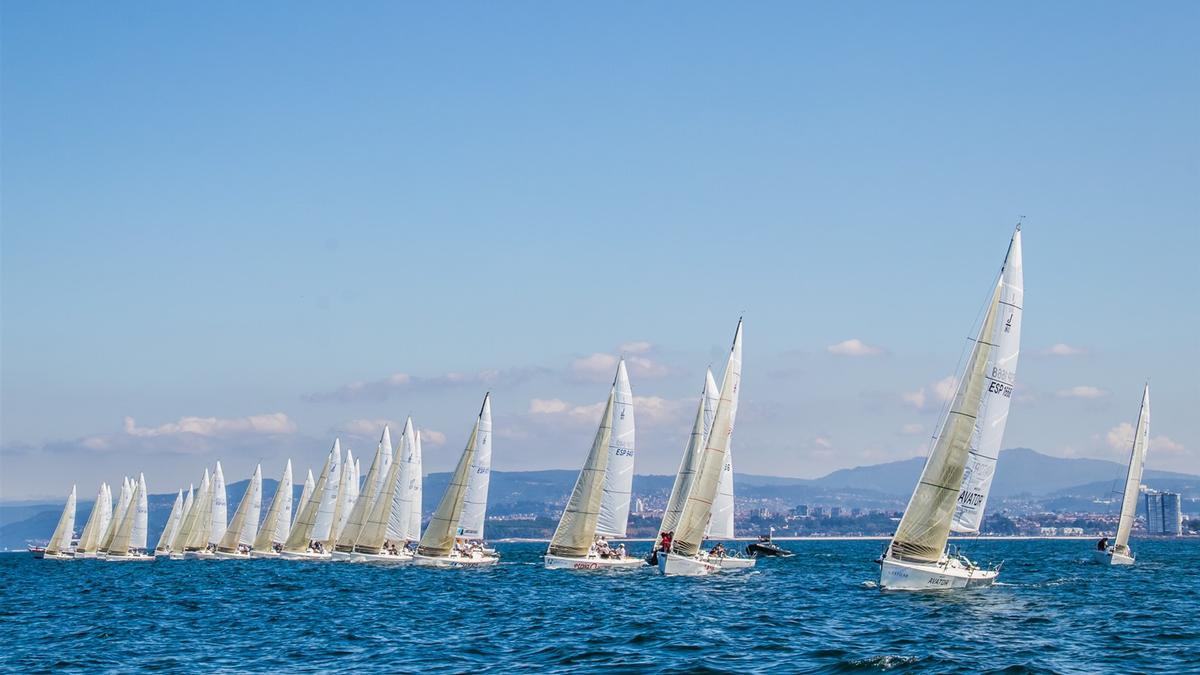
(237, 232)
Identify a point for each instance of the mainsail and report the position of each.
(374, 532)
(1133, 480)
(371, 490)
(685, 476)
(925, 526)
(119, 510)
(341, 505)
(327, 499)
(178, 536)
(408, 487)
(305, 493)
(192, 535)
(168, 532)
(475, 503)
(131, 532)
(96, 522)
(219, 507)
(415, 491)
(438, 539)
(697, 509)
(618, 477)
(577, 527)
(1000, 371)
(720, 525)
(141, 516)
(244, 526)
(277, 524)
(60, 541)
(309, 512)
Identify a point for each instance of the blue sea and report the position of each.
(816, 612)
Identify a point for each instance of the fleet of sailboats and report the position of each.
(376, 518)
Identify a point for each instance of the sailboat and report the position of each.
(97, 523)
(163, 547)
(599, 502)
(195, 519)
(440, 547)
(365, 502)
(376, 540)
(474, 512)
(316, 514)
(278, 523)
(175, 543)
(917, 557)
(682, 554)
(129, 542)
(235, 543)
(59, 546)
(1120, 553)
(119, 508)
(341, 502)
(213, 520)
(404, 525)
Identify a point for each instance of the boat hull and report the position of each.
(141, 557)
(673, 564)
(61, 555)
(264, 554)
(229, 555)
(404, 557)
(733, 562)
(1111, 557)
(339, 556)
(199, 555)
(89, 555)
(38, 552)
(556, 562)
(454, 561)
(896, 575)
(305, 555)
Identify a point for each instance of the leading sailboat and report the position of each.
(445, 542)
(59, 546)
(599, 503)
(1119, 553)
(917, 557)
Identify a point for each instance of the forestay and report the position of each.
(1000, 371)
(577, 528)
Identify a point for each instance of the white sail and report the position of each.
(60, 540)
(88, 540)
(438, 538)
(1001, 371)
(277, 523)
(193, 534)
(415, 491)
(697, 510)
(309, 514)
(720, 525)
(1133, 479)
(219, 511)
(577, 528)
(388, 457)
(106, 514)
(365, 503)
(329, 494)
(684, 477)
(402, 496)
(347, 491)
(244, 526)
(925, 527)
(179, 536)
(374, 533)
(119, 510)
(618, 477)
(305, 493)
(168, 532)
(141, 516)
(475, 501)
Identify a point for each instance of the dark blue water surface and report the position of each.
(816, 612)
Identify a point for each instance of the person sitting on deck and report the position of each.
(718, 550)
(620, 552)
(667, 538)
(1102, 544)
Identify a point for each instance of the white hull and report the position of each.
(64, 555)
(90, 555)
(305, 555)
(225, 555)
(402, 557)
(339, 556)
(264, 554)
(174, 555)
(141, 557)
(454, 560)
(199, 555)
(1111, 557)
(555, 562)
(673, 564)
(948, 573)
(733, 562)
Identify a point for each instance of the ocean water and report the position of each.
(816, 612)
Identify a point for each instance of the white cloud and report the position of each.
(942, 391)
(1082, 391)
(369, 428)
(384, 387)
(547, 406)
(912, 429)
(944, 388)
(431, 437)
(1164, 444)
(636, 347)
(646, 409)
(274, 423)
(1062, 349)
(914, 398)
(601, 366)
(853, 347)
(1120, 437)
(822, 442)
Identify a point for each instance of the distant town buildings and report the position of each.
(1164, 514)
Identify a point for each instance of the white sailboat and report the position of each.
(213, 520)
(239, 536)
(918, 557)
(278, 523)
(315, 516)
(683, 555)
(439, 545)
(97, 523)
(1001, 368)
(59, 546)
(129, 542)
(595, 508)
(475, 501)
(163, 547)
(119, 508)
(375, 542)
(1120, 553)
(176, 542)
(194, 519)
(365, 502)
(404, 525)
(200, 529)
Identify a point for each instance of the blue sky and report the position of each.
(237, 213)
